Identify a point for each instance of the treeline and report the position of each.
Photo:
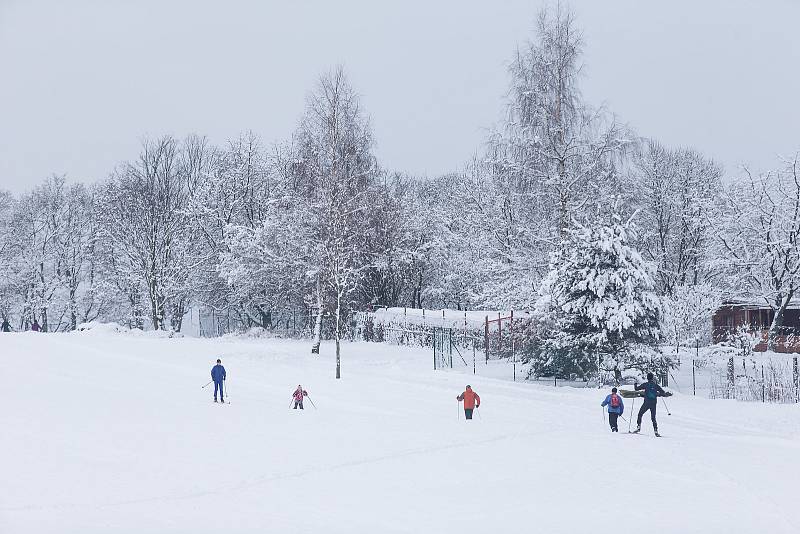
(315, 222)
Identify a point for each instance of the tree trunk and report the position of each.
(338, 333)
(777, 321)
(73, 316)
(178, 311)
(318, 322)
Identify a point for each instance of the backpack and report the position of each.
(614, 400)
(650, 391)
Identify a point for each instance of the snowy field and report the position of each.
(108, 433)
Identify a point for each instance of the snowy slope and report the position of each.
(104, 432)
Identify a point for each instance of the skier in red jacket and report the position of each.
(471, 401)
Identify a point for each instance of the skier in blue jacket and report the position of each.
(651, 393)
(615, 408)
(218, 376)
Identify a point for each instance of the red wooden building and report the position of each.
(757, 318)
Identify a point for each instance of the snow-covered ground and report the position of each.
(106, 432)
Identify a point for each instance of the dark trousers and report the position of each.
(218, 386)
(649, 404)
(612, 420)
(298, 403)
(468, 413)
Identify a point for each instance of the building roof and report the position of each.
(757, 304)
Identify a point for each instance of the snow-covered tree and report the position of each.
(758, 228)
(597, 307)
(675, 192)
(145, 227)
(687, 314)
(335, 170)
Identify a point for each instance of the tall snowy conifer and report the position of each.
(598, 305)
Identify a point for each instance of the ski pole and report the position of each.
(665, 405)
(291, 401)
(479, 414)
(458, 413)
(633, 409)
(204, 387)
(311, 401)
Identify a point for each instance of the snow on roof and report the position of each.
(757, 304)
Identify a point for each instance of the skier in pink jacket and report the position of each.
(298, 395)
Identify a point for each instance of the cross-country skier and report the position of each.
(298, 395)
(35, 326)
(615, 408)
(218, 376)
(471, 401)
(651, 393)
(6, 327)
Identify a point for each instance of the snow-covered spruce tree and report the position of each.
(597, 307)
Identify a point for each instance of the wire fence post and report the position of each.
(450, 332)
(513, 354)
(499, 333)
(486, 339)
(796, 377)
(763, 385)
(694, 383)
(473, 356)
(434, 349)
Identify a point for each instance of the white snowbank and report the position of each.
(97, 327)
(443, 318)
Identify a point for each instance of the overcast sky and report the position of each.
(81, 82)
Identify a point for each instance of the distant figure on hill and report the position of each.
(35, 326)
(5, 326)
(651, 393)
(298, 395)
(471, 401)
(218, 376)
(615, 408)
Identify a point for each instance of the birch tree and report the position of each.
(553, 148)
(334, 170)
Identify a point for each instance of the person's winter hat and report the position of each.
(613, 390)
(219, 361)
(649, 376)
(469, 387)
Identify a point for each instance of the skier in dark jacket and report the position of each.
(218, 376)
(35, 326)
(5, 327)
(615, 408)
(651, 394)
